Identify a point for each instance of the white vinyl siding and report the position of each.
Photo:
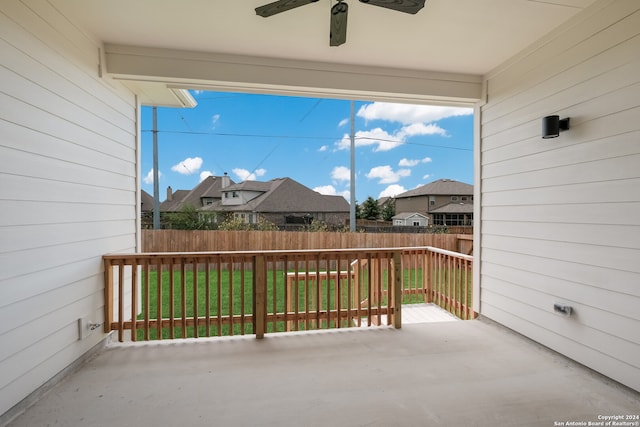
(561, 217)
(67, 192)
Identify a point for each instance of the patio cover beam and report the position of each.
(225, 72)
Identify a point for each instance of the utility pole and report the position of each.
(352, 208)
(156, 174)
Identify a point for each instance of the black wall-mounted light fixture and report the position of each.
(552, 125)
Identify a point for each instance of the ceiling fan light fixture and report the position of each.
(339, 11)
(280, 6)
(407, 6)
(338, 26)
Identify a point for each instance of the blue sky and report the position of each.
(261, 137)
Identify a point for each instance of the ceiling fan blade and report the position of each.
(281, 6)
(406, 6)
(338, 34)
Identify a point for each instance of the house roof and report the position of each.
(186, 36)
(441, 187)
(407, 215)
(209, 187)
(283, 195)
(454, 208)
(250, 186)
(146, 201)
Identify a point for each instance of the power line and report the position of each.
(243, 135)
(447, 147)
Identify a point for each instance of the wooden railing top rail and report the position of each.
(450, 253)
(153, 255)
(465, 236)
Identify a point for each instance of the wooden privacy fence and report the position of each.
(153, 296)
(217, 241)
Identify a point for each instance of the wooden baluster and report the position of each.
(183, 294)
(146, 296)
(219, 289)
(207, 291)
(231, 320)
(134, 299)
(195, 269)
(159, 299)
(108, 295)
(172, 299)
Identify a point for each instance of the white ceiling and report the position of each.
(451, 36)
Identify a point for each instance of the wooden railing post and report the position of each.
(259, 296)
(108, 296)
(429, 273)
(397, 289)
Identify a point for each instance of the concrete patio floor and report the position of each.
(471, 373)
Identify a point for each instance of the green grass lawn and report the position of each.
(239, 298)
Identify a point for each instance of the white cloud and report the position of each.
(323, 148)
(408, 163)
(148, 179)
(188, 166)
(343, 122)
(384, 141)
(420, 129)
(427, 176)
(386, 175)
(341, 173)
(205, 174)
(215, 119)
(392, 191)
(330, 190)
(379, 137)
(327, 190)
(245, 175)
(410, 113)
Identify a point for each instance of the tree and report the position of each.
(231, 223)
(316, 225)
(190, 219)
(235, 224)
(389, 210)
(358, 211)
(370, 209)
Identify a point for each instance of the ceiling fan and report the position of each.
(338, 33)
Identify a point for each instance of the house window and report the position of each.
(235, 194)
(453, 219)
(416, 223)
(432, 200)
(454, 198)
(464, 198)
(226, 195)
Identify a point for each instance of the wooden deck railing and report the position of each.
(180, 295)
(450, 282)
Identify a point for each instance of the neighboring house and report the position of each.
(146, 210)
(385, 201)
(453, 214)
(444, 202)
(206, 193)
(146, 202)
(280, 201)
(414, 219)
